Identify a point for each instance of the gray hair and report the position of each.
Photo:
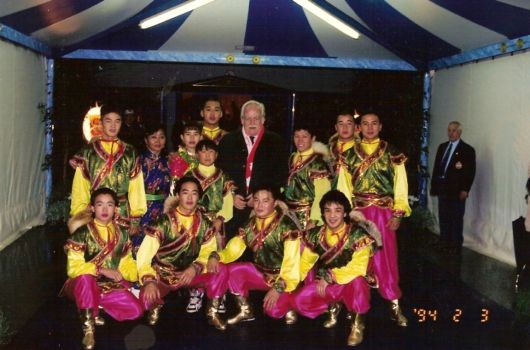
(260, 106)
(458, 125)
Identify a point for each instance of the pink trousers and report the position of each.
(120, 304)
(214, 284)
(244, 276)
(385, 261)
(354, 295)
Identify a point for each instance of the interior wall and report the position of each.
(22, 141)
(492, 100)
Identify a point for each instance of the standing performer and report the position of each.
(174, 253)
(274, 239)
(343, 249)
(380, 192)
(109, 162)
(156, 177)
(341, 146)
(100, 266)
(211, 113)
(184, 159)
(308, 177)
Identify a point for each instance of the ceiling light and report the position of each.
(328, 17)
(173, 12)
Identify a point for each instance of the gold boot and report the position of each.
(333, 311)
(153, 315)
(397, 314)
(213, 315)
(245, 311)
(291, 317)
(357, 330)
(87, 323)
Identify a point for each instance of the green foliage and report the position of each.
(58, 211)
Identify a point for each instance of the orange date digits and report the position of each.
(456, 316)
(485, 316)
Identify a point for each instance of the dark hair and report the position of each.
(104, 190)
(371, 113)
(188, 125)
(304, 125)
(274, 190)
(186, 179)
(206, 144)
(110, 108)
(151, 128)
(211, 98)
(337, 197)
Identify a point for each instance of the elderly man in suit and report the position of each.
(252, 156)
(452, 177)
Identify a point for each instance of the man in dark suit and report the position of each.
(251, 156)
(452, 177)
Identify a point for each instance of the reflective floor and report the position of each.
(452, 302)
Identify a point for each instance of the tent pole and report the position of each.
(423, 173)
(49, 128)
(290, 126)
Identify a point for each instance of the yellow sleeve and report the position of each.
(80, 193)
(344, 183)
(401, 189)
(322, 186)
(145, 255)
(206, 249)
(307, 261)
(233, 250)
(290, 270)
(356, 267)
(137, 199)
(227, 211)
(77, 266)
(127, 268)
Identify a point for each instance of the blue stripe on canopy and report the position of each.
(34, 18)
(401, 33)
(500, 17)
(276, 27)
(129, 36)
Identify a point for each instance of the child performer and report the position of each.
(216, 202)
(274, 239)
(343, 249)
(308, 177)
(211, 113)
(100, 267)
(174, 253)
(184, 159)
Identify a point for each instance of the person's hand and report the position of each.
(310, 225)
(250, 201)
(185, 277)
(463, 195)
(133, 230)
(271, 298)
(213, 265)
(113, 275)
(218, 225)
(393, 223)
(240, 202)
(321, 287)
(151, 293)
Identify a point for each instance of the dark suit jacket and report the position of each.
(270, 161)
(460, 171)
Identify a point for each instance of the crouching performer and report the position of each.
(174, 253)
(100, 266)
(341, 250)
(274, 239)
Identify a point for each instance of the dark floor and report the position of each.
(451, 303)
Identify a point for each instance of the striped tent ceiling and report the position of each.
(395, 34)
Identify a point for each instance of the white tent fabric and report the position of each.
(492, 101)
(22, 190)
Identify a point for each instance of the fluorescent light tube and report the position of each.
(173, 12)
(328, 18)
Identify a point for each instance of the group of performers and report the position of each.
(317, 244)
